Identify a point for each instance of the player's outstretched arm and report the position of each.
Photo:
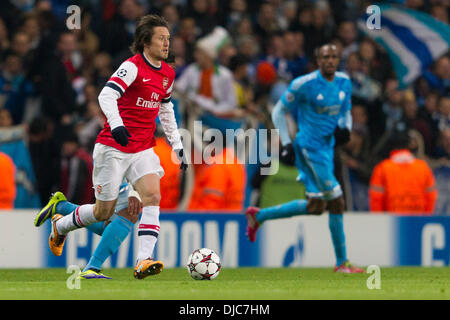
(116, 86)
(287, 155)
(280, 123)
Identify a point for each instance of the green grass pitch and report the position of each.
(231, 284)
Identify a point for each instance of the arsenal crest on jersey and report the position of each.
(165, 82)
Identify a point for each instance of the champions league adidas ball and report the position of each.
(203, 264)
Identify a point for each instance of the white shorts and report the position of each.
(111, 166)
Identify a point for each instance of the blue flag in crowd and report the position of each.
(412, 39)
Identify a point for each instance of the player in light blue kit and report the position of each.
(113, 232)
(320, 102)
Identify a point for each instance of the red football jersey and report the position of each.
(142, 88)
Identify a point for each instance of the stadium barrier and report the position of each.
(382, 240)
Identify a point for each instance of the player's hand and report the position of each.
(287, 155)
(134, 206)
(342, 136)
(182, 158)
(121, 135)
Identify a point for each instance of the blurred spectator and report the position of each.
(320, 30)
(188, 32)
(21, 44)
(31, 27)
(91, 124)
(226, 52)
(58, 96)
(356, 153)
(292, 62)
(8, 185)
(170, 13)
(205, 20)
(248, 46)
(178, 49)
(439, 78)
(220, 184)
(117, 33)
(13, 144)
(237, 11)
(239, 66)
(410, 116)
(392, 106)
(442, 172)
(364, 86)
(354, 163)
(287, 14)
(208, 86)
(76, 171)
(429, 112)
(14, 87)
(347, 34)
(243, 28)
(70, 55)
(266, 24)
(87, 42)
(402, 184)
(102, 69)
(444, 112)
(439, 11)
(442, 153)
(45, 156)
(374, 64)
(359, 115)
(4, 37)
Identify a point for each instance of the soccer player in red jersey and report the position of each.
(133, 97)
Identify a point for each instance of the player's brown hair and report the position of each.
(144, 31)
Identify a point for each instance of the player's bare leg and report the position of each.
(316, 206)
(103, 210)
(149, 190)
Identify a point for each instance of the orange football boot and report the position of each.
(56, 241)
(147, 267)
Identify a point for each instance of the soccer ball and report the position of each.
(203, 264)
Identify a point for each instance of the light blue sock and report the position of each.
(336, 225)
(112, 238)
(286, 210)
(67, 207)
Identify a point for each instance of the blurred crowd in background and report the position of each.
(51, 76)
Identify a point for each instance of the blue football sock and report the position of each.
(112, 238)
(336, 225)
(97, 228)
(286, 210)
(67, 207)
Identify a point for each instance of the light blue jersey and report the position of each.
(318, 105)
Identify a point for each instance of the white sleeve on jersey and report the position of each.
(279, 120)
(345, 121)
(114, 89)
(169, 125)
(108, 103)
